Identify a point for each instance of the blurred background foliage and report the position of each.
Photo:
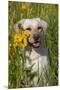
(48, 12)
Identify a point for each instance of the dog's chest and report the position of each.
(36, 60)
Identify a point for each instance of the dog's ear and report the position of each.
(18, 26)
(42, 23)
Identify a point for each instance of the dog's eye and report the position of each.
(28, 29)
(39, 28)
(19, 26)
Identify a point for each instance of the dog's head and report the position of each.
(34, 26)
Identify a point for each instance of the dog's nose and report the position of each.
(36, 36)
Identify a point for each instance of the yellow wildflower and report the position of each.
(17, 38)
(26, 34)
(24, 8)
(23, 43)
(12, 46)
(21, 39)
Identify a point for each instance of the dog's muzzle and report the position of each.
(36, 41)
(36, 44)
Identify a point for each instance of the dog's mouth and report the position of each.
(36, 44)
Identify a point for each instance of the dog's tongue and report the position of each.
(36, 45)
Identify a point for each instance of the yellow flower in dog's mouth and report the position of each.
(25, 34)
(23, 42)
(17, 38)
(21, 39)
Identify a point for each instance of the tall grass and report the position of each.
(18, 77)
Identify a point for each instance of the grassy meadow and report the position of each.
(18, 75)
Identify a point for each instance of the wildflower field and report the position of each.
(18, 75)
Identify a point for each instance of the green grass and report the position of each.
(48, 12)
